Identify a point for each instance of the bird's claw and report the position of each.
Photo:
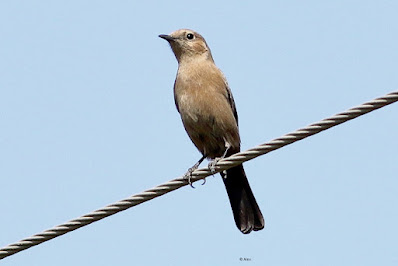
(188, 176)
(212, 166)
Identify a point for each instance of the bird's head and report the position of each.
(187, 45)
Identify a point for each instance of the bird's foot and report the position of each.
(188, 175)
(212, 165)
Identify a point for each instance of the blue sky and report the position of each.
(87, 117)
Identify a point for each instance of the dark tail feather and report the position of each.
(246, 212)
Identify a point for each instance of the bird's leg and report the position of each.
(188, 174)
(196, 165)
(227, 146)
(212, 164)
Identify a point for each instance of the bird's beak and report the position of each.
(167, 37)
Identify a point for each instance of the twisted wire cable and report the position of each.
(198, 174)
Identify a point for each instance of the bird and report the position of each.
(208, 112)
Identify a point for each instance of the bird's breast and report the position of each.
(206, 113)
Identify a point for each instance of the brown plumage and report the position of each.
(208, 112)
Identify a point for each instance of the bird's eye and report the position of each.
(190, 36)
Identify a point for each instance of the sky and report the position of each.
(87, 118)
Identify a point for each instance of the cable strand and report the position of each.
(198, 174)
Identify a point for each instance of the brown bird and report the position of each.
(208, 112)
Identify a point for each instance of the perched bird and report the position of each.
(208, 112)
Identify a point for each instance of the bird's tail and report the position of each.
(246, 212)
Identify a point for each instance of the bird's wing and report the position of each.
(175, 96)
(231, 101)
